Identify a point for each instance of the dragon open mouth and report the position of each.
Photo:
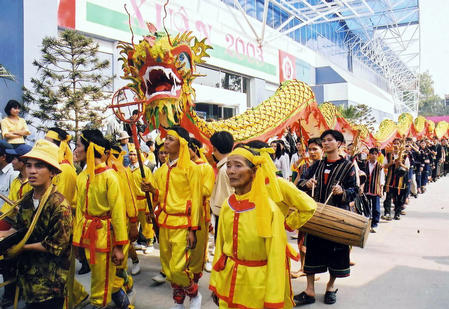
(161, 81)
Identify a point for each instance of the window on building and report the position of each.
(214, 112)
(219, 78)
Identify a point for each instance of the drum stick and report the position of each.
(313, 187)
(330, 195)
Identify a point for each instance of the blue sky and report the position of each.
(434, 21)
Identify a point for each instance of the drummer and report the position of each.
(333, 179)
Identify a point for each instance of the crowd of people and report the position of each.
(99, 204)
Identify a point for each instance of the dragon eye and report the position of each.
(184, 59)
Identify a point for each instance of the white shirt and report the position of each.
(283, 165)
(7, 175)
(222, 188)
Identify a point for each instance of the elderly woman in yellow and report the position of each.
(100, 222)
(250, 264)
(14, 128)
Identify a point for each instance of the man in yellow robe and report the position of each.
(141, 202)
(179, 194)
(115, 160)
(100, 222)
(199, 254)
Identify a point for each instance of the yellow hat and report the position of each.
(45, 151)
(65, 153)
(131, 148)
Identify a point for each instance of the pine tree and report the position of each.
(69, 90)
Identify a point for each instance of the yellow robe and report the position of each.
(142, 206)
(250, 271)
(179, 195)
(199, 253)
(106, 204)
(100, 224)
(18, 189)
(65, 182)
(122, 278)
(296, 206)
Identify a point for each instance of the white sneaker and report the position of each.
(178, 306)
(208, 267)
(195, 303)
(210, 259)
(137, 246)
(135, 269)
(149, 250)
(159, 278)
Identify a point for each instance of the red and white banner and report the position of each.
(287, 66)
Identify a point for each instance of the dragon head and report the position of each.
(161, 70)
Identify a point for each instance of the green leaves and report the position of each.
(70, 86)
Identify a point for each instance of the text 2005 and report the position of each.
(237, 46)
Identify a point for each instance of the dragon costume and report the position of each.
(161, 70)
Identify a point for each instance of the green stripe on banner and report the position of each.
(221, 53)
(110, 18)
(113, 19)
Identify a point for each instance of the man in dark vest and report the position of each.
(332, 177)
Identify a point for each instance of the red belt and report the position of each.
(91, 232)
(249, 263)
(140, 198)
(221, 263)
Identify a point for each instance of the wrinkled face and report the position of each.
(315, 152)
(239, 173)
(38, 173)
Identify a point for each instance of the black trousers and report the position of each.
(54, 303)
(398, 199)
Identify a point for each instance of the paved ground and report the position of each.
(404, 265)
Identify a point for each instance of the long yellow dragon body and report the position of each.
(161, 70)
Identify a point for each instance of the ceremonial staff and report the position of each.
(119, 96)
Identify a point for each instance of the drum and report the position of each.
(338, 225)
